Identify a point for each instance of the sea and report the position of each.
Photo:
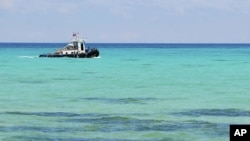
(131, 92)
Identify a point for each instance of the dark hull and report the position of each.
(91, 54)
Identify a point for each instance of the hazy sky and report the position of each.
(163, 21)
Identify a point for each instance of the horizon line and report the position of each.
(130, 42)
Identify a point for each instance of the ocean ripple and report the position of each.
(214, 112)
(121, 100)
(55, 114)
(48, 138)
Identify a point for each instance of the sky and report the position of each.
(126, 21)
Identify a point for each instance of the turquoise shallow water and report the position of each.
(173, 92)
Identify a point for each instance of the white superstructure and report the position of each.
(76, 46)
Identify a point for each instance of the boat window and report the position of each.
(69, 47)
(81, 46)
(75, 45)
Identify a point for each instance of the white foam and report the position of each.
(31, 57)
(97, 57)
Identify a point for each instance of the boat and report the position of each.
(75, 49)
